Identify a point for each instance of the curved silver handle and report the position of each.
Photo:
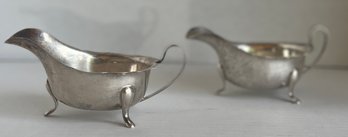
(176, 77)
(326, 34)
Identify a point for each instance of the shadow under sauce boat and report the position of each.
(90, 80)
(262, 66)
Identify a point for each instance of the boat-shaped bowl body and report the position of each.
(262, 66)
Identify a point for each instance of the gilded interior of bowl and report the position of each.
(110, 63)
(274, 50)
(118, 65)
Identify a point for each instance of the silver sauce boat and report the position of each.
(91, 80)
(259, 65)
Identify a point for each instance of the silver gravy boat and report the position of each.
(261, 66)
(90, 80)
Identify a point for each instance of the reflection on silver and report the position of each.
(91, 80)
(261, 66)
(133, 68)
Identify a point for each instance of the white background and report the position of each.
(146, 27)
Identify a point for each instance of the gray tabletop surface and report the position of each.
(188, 108)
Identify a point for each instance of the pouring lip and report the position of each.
(196, 31)
(26, 33)
(9, 41)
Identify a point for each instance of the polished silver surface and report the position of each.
(91, 80)
(262, 66)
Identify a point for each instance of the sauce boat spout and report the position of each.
(28, 33)
(218, 43)
(36, 41)
(205, 35)
(30, 37)
(46, 47)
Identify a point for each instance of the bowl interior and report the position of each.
(111, 63)
(116, 65)
(273, 50)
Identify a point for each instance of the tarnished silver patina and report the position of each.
(90, 80)
(262, 66)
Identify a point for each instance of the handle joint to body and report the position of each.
(176, 77)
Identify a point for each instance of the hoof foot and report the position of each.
(129, 123)
(127, 96)
(54, 99)
(296, 101)
(48, 113)
(218, 92)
